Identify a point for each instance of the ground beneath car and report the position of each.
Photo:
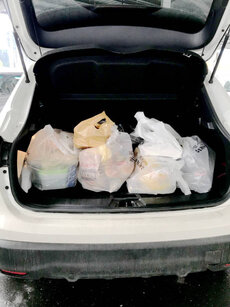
(203, 289)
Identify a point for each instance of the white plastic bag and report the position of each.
(21, 155)
(106, 167)
(52, 160)
(156, 175)
(25, 178)
(159, 138)
(199, 162)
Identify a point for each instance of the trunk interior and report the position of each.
(75, 85)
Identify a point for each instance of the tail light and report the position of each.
(13, 273)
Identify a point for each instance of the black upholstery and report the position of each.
(114, 31)
(75, 85)
(99, 72)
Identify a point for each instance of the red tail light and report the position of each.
(13, 273)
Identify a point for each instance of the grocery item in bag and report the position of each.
(106, 167)
(93, 132)
(159, 138)
(21, 155)
(199, 162)
(156, 175)
(25, 178)
(51, 160)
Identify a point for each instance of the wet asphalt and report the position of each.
(201, 289)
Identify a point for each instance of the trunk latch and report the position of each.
(127, 202)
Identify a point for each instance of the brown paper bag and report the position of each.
(93, 132)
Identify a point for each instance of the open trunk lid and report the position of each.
(122, 26)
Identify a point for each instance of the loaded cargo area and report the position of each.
(75, 85)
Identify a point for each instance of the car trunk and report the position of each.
(73, 85)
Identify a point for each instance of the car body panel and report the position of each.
(220, 101)
(20, 224)
(74, 261)
(15, 112)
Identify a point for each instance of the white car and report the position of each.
(223, 72)
(121, 57)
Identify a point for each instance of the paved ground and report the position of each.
(203, 289)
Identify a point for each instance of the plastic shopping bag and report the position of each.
(159, 138)
(199, 163)
(25, 178)
(21, 155)
(93, 132)
(156, 175)
(51, 160)
(106, 167)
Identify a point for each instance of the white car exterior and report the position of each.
(18, 224)
(21, 224)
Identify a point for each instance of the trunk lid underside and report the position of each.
(121, 26)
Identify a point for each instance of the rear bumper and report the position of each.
(72, 262)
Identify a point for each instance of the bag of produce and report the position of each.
(106, 167)
(156, 175)
(199, 163)
(51, 160)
